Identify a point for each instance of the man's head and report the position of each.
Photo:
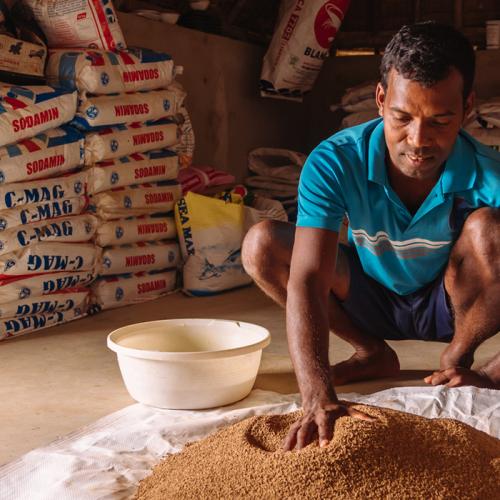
(425, 93)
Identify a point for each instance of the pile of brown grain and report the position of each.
(398, 456)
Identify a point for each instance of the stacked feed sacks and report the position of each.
(128, 108)
(47, 259)
(275, 174)
(484, 122)
(358, 105)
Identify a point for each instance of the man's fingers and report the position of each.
(304, 434)
(359, 414)
(326, 424)
(456, 381)
(319, 425)
(291, 439)
(438, 378)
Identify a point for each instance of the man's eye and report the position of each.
(441, 123)
(402, 119)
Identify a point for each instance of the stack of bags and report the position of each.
(128, 105)
(131, 112)
(358, 104)
(484, 123)
(46, 255)
(276, 176)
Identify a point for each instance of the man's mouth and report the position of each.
(417, 159)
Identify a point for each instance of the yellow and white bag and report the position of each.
(210, 234)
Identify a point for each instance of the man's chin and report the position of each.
(421, 170)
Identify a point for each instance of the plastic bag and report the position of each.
(122, 290)
(49, 257)
(123, 140)
(104, 72)
(79, 228)
(14, 327)
(40, 191)
(276, 162)
(45, 155)
(81, 23)
(300, 44)
(198, 178)
(110, 110)
(20, 288)
(210, 235)
(28, 111)
(61, 301)
(27, 214)
(136, 229)
(136, 200)
(139, 257)
(155, 166)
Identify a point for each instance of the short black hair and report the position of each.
(425, 53)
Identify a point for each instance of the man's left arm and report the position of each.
(487, 376)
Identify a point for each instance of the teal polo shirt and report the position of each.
(346, 175)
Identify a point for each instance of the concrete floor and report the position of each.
(56, 381)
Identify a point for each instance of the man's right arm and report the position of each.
(307, 318)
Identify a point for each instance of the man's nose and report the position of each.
(419, 135)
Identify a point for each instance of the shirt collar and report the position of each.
(376, 155)
(460, 169)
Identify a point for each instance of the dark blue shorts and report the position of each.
(382, 313)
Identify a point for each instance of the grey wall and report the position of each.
(229, 117)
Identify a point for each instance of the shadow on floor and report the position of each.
(286, 383)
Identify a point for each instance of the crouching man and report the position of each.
(422, 198)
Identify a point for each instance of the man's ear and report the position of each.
(380, 99)
(469, 105)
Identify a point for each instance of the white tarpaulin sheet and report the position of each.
(107, 459)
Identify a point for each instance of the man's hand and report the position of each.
(318, 422)
(457, 376)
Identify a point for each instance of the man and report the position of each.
(422, 198)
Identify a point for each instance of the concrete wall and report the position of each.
(229, 117)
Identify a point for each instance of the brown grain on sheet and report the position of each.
(398, 456)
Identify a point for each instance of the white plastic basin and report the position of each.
(189, 363)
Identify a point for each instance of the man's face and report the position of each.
(421, 124)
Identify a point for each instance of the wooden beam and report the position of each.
(235, 11)
(417, 11)
(458, 14)
(364, 39)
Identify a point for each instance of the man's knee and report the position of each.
(478, 246)
(265, 245)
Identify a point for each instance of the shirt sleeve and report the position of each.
(321, 201)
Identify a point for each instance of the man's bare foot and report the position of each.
(360, 366)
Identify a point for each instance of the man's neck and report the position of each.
(412, 192)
